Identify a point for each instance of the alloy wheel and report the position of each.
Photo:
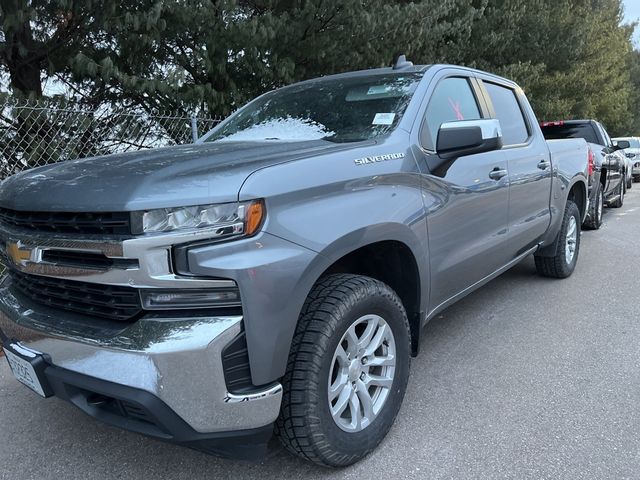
(362, 373)
(571, 240)
(599, 207)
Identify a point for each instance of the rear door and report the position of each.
(529, 167)
(466, 207)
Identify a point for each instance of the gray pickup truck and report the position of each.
(276, 276)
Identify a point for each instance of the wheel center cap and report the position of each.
(354, 370)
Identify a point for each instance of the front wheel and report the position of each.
(620, 200)
(594, 220)
(563, 262)
(347, 372)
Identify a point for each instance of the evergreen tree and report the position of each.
(573, 57)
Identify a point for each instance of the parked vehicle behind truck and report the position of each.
(632, 152)
(278, 274)
(608, 179)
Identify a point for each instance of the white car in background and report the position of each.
(632, 154)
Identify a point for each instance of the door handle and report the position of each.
(497, 173)
(544, 164)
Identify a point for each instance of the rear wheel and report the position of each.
(563, 262)
(347, 373)
(594, 220)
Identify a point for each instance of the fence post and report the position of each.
(194, 127)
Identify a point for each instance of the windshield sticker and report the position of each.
(383, 118)
(378, 158)
(378, 89)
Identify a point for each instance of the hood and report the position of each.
(184, 175)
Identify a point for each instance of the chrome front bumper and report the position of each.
(178, 360)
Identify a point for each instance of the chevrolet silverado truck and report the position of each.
(607, 185)
(275, 277)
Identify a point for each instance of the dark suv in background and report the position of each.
(607, 180)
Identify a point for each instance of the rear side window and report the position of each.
(604, 135)
(562, 130)
(508, 111)
(451, 100)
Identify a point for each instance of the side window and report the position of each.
(508, 111)
(451, 100)
(605, 135)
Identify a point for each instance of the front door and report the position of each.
(613, 162)
(467, 203)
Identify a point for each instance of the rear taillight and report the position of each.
(591, 163)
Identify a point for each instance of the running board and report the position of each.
(480, 283)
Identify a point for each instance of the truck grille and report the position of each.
(105, 301)
(103, 223)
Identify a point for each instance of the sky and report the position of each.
(632, 14)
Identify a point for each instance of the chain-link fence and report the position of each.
(35, 134)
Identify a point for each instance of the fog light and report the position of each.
(189, 298)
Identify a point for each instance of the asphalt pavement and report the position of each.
(526, 378)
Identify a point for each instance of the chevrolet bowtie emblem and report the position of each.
(17, 254)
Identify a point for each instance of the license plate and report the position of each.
(24, 372)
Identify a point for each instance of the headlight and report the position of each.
(228, 218)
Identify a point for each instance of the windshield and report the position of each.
(341, 110)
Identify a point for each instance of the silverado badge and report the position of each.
(378, 158)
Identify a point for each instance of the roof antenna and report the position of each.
(402, 62)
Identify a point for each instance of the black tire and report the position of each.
(629, 183)
(557, 265)
(594, 219)
(620, 200)
(305, 425)
(636, 178)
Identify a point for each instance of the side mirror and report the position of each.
(467, 137)
(622, 144)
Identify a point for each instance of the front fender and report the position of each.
(338, 219)
(328, 207)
